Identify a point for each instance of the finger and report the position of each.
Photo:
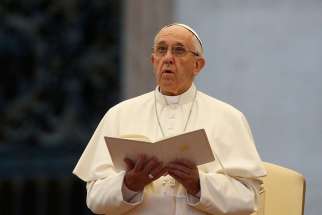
(150, 165)
(179, 167)
(129, 164)
(177, 178)
(178, 174)
(192, 185)
(185, 162)
(159, 171)
(139, 164)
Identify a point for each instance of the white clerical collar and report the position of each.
(183, 98)
(172, 99)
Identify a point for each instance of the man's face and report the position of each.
(174, 74)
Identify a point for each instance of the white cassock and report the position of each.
(229, 185)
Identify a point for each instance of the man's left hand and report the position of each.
(186, 173)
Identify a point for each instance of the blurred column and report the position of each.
(142, 20)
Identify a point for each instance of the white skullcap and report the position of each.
(189, 29)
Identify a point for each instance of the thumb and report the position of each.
(129, 164)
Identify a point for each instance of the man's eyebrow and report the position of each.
(178, 44)
(164, 43)
(161, 43)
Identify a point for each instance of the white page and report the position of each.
(193, 146)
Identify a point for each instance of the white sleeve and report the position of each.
(104, 184)
(224, 194)
(130, 195)
(193, 199)
(234, 187)
(104, 196)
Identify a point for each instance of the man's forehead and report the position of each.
(163, 42)
(176, 33)
(184, 27)
(176, 28)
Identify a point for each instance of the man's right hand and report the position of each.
(142, 172)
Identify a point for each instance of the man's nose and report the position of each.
(169, 57)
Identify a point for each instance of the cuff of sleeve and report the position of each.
(131, 196)
(197, 199)
(193, 199)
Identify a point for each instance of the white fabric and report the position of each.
(172, 99)
(229, 136)
(130, 195)
(133, 196)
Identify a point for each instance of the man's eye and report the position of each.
(162, 49)
(179, 50)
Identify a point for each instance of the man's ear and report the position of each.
(152, 58)
(199, 64)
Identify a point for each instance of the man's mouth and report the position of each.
(167, 71)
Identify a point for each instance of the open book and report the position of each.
(192, 145)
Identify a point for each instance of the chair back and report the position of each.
(283, 192)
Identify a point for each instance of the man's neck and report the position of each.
(174, 92)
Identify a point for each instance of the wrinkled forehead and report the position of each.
(175, 34)
(177, 26)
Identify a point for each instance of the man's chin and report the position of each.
(168, 90)
(167, 83)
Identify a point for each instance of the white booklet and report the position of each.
(192, 145)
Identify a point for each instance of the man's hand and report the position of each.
(142, 172)
(186, 173)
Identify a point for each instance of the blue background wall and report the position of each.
(265, 58)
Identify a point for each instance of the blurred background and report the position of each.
(64, 63)
(60, 72)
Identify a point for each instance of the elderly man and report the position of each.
(228, 185)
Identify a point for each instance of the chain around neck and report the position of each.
(157, 115)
